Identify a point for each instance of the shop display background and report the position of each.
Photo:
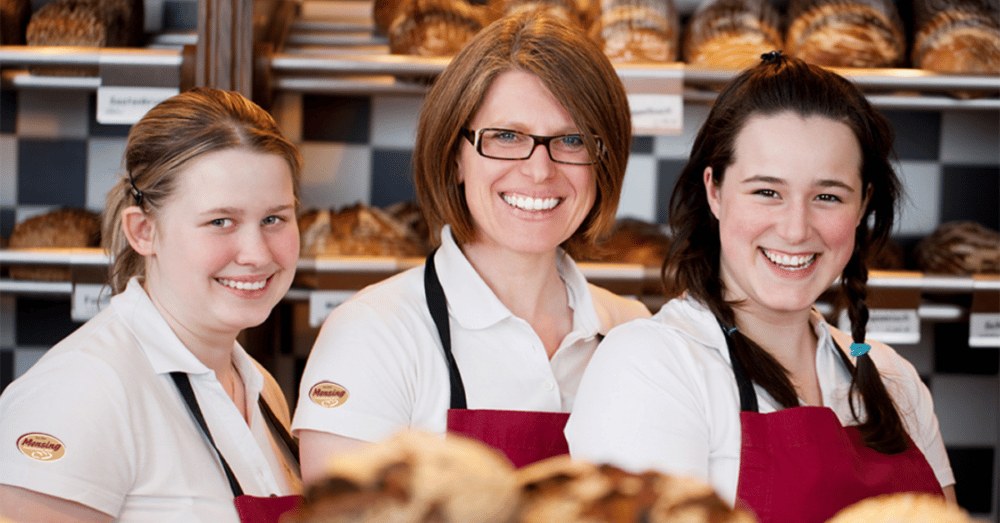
(358, 148)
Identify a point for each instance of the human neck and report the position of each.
(526, 283)
(787, 336)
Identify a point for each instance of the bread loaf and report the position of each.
(638, 30)
(961, 247)
(434, 27)
(358, 230)
(567, 10)
(634, 241)
(415, 478)
(85, 23)
(731, 33)
(956, 36)
(905, 507)
(61, 228)
(562, 490)
(846, 33)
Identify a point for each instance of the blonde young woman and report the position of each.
(205, 243)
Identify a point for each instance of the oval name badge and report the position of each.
(328, 394)
(41, 447)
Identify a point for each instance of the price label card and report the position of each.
(126, 105)
(89, 299)
(656, 113)
(322, 302)
(889, 326)
(984, 329)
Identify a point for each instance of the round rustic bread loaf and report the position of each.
(905, 507)
(61, 228)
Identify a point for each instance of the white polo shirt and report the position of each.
(660, 394)
(99, 421)
(378, 365)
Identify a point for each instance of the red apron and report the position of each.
(799, 465)
(523, 436)
(251, 509)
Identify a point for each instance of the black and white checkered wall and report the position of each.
(358, 148)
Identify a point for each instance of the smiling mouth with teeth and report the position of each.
(790, 263)
(527, 203)
(243, 286)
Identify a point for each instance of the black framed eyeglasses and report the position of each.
(505, 144)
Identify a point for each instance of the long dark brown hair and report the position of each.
(777, 85)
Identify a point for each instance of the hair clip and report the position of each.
(860, 349)
(136, 193)
(771, 57)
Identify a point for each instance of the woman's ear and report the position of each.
(711, 191)
(138, 229)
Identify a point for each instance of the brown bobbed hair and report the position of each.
(778, 85)
(578, 74)
(174, 133)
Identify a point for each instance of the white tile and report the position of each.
(967, 408)
(104, 165)
(8, 169)
(335, 175)
(394, 120)
(24, 358)
(679, 146)
(287, 112)
(920, 207)
(638, 199)
(7, 305)
(42, 114)
(970, 137)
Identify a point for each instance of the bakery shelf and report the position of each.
(35, 288)
(161, 63)
(384, 266)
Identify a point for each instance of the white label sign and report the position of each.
(89, 299)
(126, 105)
(889, 325)
(656, 113)
(322, 302)
(984, 329)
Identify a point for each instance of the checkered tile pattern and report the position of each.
(53, 153)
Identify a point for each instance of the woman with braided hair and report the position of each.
(738, 380)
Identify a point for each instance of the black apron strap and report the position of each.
(286, 437)
(748, 396)
(438, 305)
(184, 386)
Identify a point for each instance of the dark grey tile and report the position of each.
(971, 193)
(42, 322)
(102, 130)
(918, 134)
(642, 145)
(392, 177)
(8, 219)
(973, 468)
(6, 368)
(180, 15)
(952, 354)
(8, 111)
(345, 119)
(52, 172)
(667, 173)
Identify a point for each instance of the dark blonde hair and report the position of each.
(577, 73)
(779, 85)
(165, 141)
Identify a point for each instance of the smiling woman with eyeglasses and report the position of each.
(519, 162)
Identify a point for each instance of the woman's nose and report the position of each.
(253, 249)
(539, 165)
(795, 225)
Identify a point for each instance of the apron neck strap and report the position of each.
(438, 305)
(748, 396)
(184, 386)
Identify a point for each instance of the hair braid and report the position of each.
(883, 428)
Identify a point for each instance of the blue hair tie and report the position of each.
(731, 330)
(860, 349)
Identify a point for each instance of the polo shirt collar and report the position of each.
(473, 304)
(165, 351)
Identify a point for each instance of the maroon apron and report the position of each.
(523, 436)
(800, 465)
(251, 509)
